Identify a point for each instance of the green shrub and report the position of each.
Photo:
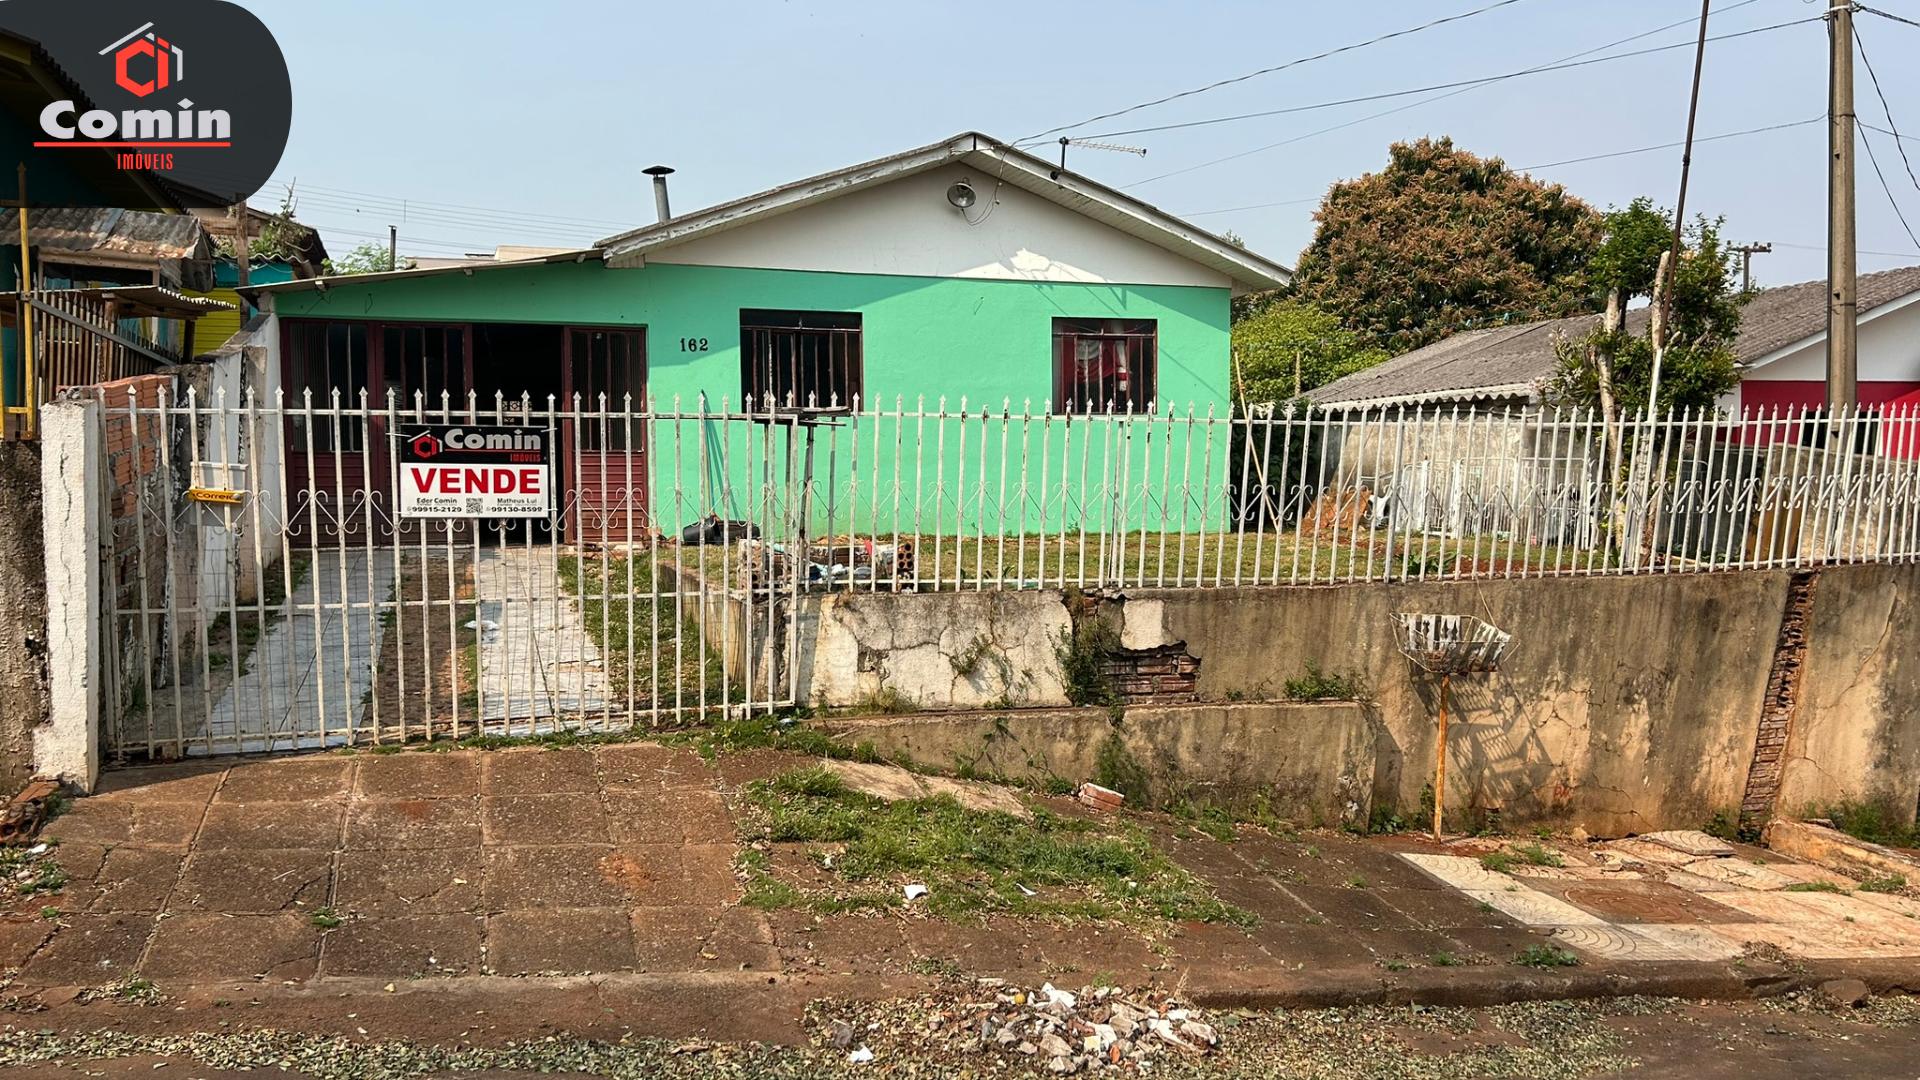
(1545, 956)
(1317, 685)
(1082, 652)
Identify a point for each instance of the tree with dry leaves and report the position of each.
(1443, 240)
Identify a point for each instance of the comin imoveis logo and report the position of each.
(144, 64)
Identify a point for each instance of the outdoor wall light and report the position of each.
(962, 196)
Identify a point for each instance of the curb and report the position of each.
(1470, 987)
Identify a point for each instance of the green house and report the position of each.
(960, 277)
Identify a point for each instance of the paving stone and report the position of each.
(1414, 948)
(271, 825)
(413, 824)
(1649, 852)
(1206, 947)
(436, 882)
(662, 815)
(1351, 908)
(82, 859)
(568, 941)
(1610, 942)
(1643, 902)
(995, 947)
(199, 948)
(1811, 874)
(1687, 942)
(1899, 905)
(1690, 842)
(19, 937)
(684, 938)
(1493, 945)
(1458, 871)
(1107, 951)
(253, 882)
(90, 950)
(168, 824)
(575, 818)
(404, 946)
(1737, 872)
(453, 774)
(1696, 883)
(840, 944)
(1308, 948)
(575, 876)
(1438, 909)
(1814, 942)
(538, 772)
(1534, 908)
(1862, 921)
(649, 764)
(287, 779)
(132, 879)
(194, 782)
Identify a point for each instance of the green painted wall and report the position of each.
(923, 338)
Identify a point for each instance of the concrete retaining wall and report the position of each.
(1627, 704)
(1307, 763)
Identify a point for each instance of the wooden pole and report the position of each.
(1440, 761)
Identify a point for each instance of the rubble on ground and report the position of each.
(1065, 1032)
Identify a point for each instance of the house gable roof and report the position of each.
(1509, 361)
(992, 157)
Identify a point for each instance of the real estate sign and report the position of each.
(475, 470)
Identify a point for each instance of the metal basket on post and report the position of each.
(1448, 645)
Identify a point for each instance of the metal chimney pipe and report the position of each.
(660, 208)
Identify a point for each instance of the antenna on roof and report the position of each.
(1090, 144)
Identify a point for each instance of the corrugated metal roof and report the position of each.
(1505, 360)
(111, 231)
(145, 301)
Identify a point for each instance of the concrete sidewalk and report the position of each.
(329, 874)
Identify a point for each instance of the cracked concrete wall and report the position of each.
(23, 612)
(1856, 735)
(1311, 763)
(67, 746)
(963, 650)
(1625, 705)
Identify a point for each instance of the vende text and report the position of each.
(471, 480)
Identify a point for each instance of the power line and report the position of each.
(1897, 212)
(1482, 81)
(1863, 251)
(1668, 146)
(1410, 105)
(1567, 161)
(1892, 128)
(1268, 70)
(1886, 15)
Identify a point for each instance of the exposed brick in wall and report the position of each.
(135, 513)
(1165, 674)
(1782, 701)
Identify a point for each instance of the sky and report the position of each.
(481, 123)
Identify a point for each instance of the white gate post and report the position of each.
(67, 747)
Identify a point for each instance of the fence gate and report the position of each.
(262, 592)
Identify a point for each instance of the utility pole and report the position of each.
(1842, 298)
(393, 247)
(1747, 252)
(242, 258)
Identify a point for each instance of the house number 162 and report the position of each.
(693, 344)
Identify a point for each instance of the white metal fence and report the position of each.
(306, 612)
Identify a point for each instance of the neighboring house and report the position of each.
(1781, 351)
(1543, 471)
(302, 255)
(961, 271)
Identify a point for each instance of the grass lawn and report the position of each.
(972, 862)
(635, 632)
